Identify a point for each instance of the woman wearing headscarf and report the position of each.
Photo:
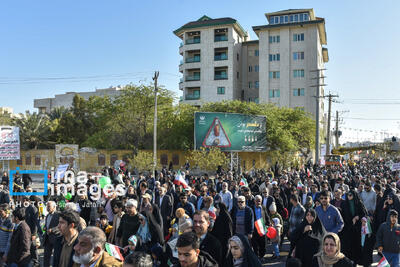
(143, 233)
(223, 229)
(240, 253)
(353, 210)
(330, 255)
(307, 237)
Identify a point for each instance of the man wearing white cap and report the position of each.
(129, 223)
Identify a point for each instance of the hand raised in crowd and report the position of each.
(307, 228)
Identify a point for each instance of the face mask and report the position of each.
(83, 259)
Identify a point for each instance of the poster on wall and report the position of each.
(9, 143)
(230, 131)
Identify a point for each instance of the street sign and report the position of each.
(231, 132)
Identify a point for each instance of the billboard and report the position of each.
(9, 143)
(230, 131)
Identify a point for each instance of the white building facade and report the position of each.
(282, 67)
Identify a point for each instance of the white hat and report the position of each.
(131, 202)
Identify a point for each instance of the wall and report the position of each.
(44, 159)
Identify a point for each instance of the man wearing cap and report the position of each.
(388, 239)
(129, 223)
(153, 215)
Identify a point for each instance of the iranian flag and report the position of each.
(308, 173)
(114, 251)
(260, 226)
(383, 263)
(179, 180)
(243, 182)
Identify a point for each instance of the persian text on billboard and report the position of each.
(9, 143)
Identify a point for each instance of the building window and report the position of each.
(274, 74)
(101, 160)
(298, 92)
(256, 84)
(237, 56)
(221, 90)
(256, 68)
(28, 159)
(298, 37)
(37, 160)
(164, 159)
(113, 159)
(250, 68)
(274, 57)
(274, 93)
(256, 53)
(274, 39)
(298, 55)
(250, 85)
(237, 75)
(175, 159)
(298, 73)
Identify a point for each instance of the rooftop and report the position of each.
(206, 21)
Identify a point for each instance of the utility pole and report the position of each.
(155, 78)
(328, 135)
(317, 122)
(337, 129)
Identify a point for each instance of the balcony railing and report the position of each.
(222, 76)
(181, 80)
(193, 41)
(181, 62)
(181, 44)
(193, 59)
(190, 78)
(221, 57)
(192, 97)
(220, 38)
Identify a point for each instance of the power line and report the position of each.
(370, 119)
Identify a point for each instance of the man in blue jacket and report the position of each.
(329, 215)
(243, 218)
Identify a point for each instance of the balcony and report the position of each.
(192, 41)
(181, 44)
(220, 57)
(181, 62)
(221, 76)
(192, 59)
(181, 80)
(220, 38)
(190, 78)
(192, 96)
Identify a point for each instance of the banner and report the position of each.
(9, 143)
(396, 166)
(230, 131)
(61, 169)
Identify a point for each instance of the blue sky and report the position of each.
(125, 41)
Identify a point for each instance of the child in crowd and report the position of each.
(104, 224)
(277, 239)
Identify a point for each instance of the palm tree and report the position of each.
(34, 130)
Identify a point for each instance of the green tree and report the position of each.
(208, 159)
(34, 130)
(143, 161)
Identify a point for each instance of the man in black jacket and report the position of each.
(189, 252)
(31, 218)
(208, 243)
(52, 233)
(20, 244)
(164, 202)
(64, 247)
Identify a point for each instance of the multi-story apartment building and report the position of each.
(221, 63)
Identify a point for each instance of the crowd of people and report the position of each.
(332, 215)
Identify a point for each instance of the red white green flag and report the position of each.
(260, 226)
(114, 251)
(243, 182)
(383, 263)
